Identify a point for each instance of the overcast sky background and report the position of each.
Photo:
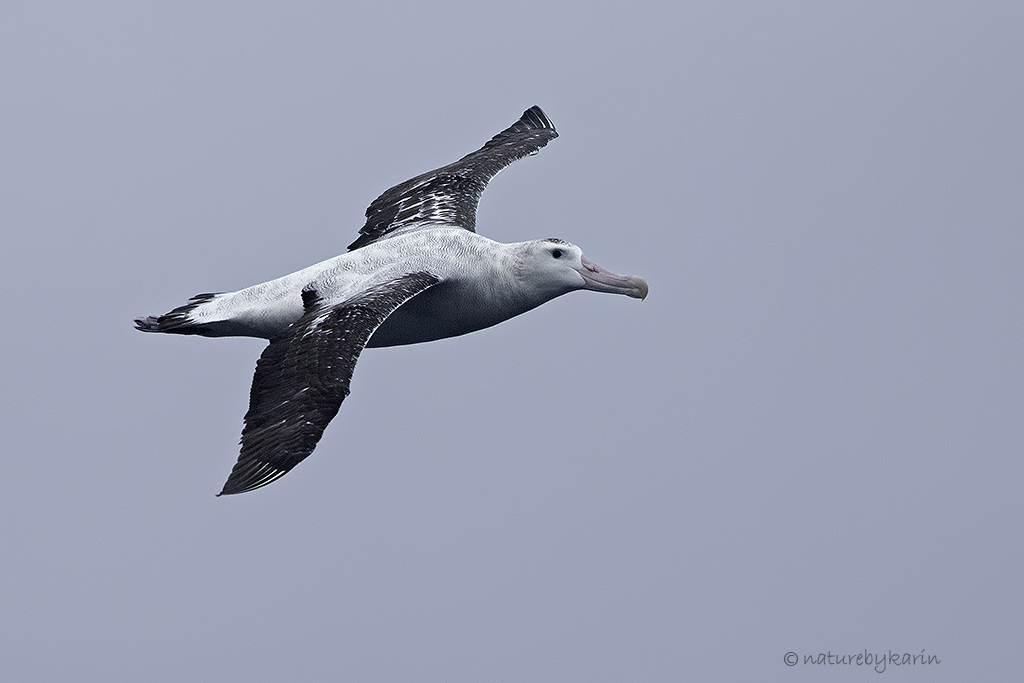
(807, 439)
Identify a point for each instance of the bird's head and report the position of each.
(554, 267)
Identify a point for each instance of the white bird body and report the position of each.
(418, 272)
(455, 256)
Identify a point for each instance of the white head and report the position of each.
(553, 267)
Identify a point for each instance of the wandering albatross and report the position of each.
(417, 272)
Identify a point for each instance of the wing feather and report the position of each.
(449, 195)
(303, 376)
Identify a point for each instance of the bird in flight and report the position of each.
(417, 272)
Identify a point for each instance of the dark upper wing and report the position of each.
(449, 195)
(303, 376)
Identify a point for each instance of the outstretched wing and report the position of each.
(303, 376)
(449, 195)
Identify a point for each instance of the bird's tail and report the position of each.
(181, 320)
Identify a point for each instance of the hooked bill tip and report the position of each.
(641, 285)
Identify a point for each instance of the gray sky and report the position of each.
(807, 439)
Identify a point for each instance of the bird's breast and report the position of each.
(449, 309)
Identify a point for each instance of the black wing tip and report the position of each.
(535, 118)
(231, 488)
(533, 121)
(235, 485)
(231, 491)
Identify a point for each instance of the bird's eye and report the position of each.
(557, 253)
